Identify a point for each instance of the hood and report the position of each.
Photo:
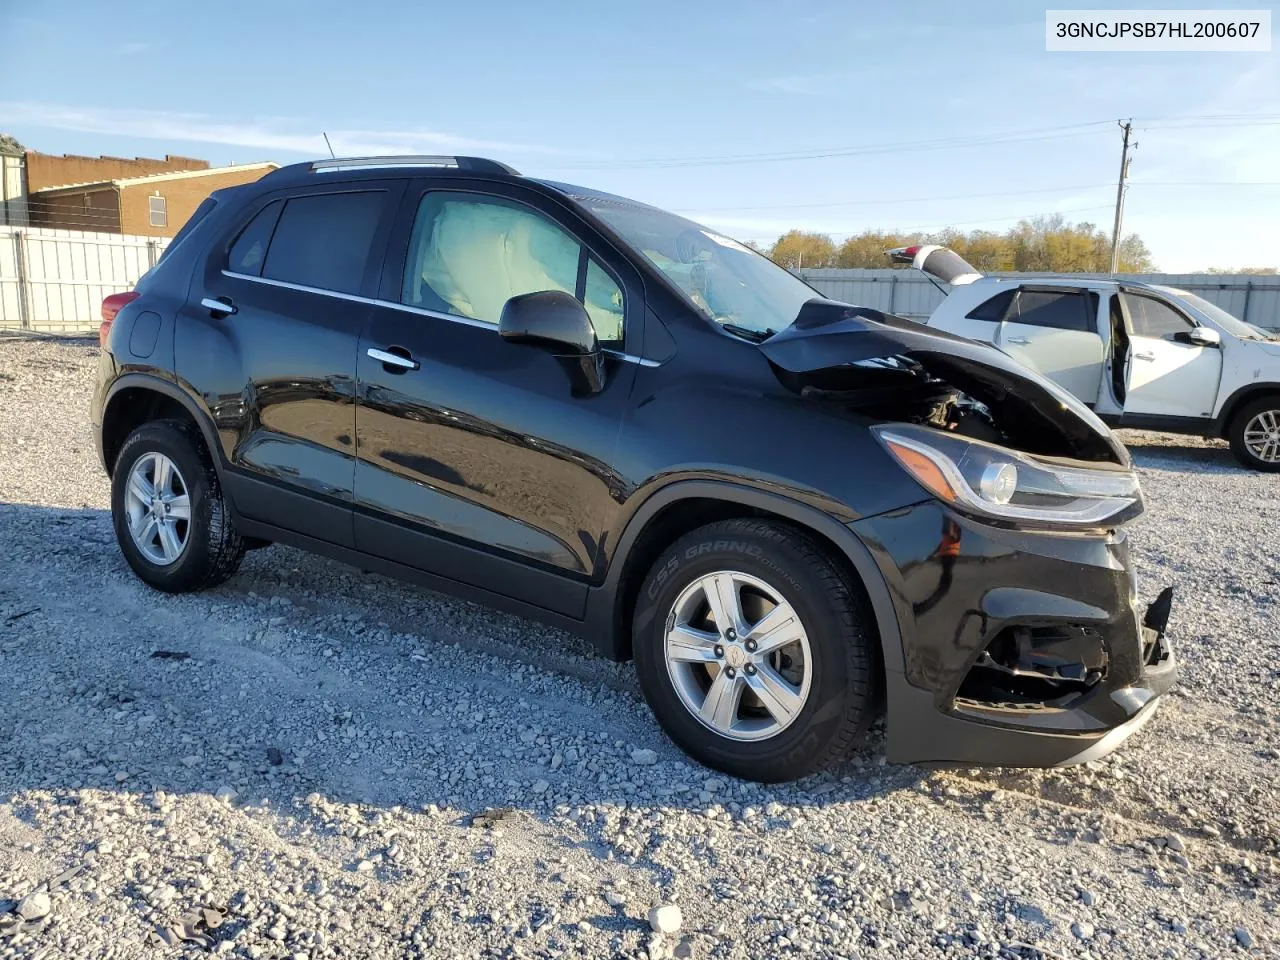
(1037, 415)
(1270, 348)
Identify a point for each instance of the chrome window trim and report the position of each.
(406, 308)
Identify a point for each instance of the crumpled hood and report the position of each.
(828, 334)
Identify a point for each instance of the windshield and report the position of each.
(733, 285)
(1237, 328)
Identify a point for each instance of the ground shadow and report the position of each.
(302, 676)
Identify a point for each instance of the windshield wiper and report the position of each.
(750, 333)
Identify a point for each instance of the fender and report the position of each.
(200, 414)
(602, 602)
(1241, 396)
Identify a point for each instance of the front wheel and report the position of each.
(755, 652)
(1255, 434)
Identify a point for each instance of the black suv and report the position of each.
(787, 510)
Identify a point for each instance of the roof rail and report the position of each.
(475, 164)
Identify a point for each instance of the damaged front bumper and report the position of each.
(1019, 648)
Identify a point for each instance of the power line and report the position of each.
(1029, 135)
(1013, 136)
(1205, 183)
(818, 204)
(854, 203)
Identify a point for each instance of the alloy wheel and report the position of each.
(1262, 436)
(159, 508)
(738, 655)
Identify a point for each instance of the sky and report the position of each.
(750, 117)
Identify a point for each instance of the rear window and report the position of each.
(324, 241)
(200, 212)
(946, 265)
(992, 310)
(250, 249)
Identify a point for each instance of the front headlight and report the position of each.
(996, 482)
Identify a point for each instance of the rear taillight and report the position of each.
(110, 307)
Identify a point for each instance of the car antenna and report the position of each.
(328, 144)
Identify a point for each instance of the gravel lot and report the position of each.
(316, 765)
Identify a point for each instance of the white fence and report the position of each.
(55, 280)
(1253, 298)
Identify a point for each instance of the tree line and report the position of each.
(1040, 245)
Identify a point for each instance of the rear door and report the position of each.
(268, 339)
(1165, 375)
(1055, 331)
(477, 461)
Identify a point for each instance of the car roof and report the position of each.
(1078, 280)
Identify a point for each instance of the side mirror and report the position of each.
(556, 321)
(1201, 337)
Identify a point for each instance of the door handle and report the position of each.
(222, 305)
(1021, 341)
(1144, 356)
(389, 359)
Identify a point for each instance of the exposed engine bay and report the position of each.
(895, 388)
(890, 368)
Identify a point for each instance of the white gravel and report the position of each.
(357, 768)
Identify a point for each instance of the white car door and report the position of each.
(1166, 374)
(1055, 331)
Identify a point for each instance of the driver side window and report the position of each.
(1154, 318)
(468, 255)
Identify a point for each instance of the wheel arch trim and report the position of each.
(145, 381)
(1239, 397)
(603, 600)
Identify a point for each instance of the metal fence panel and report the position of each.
(55, 280)
(1253, 298)
(59, 284)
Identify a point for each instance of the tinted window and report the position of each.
(1050, 308)
(250, 248)
(202, 211)
(468, 256)
(1154, 318)
(993, 309)
(323, 241)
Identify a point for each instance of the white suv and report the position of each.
(1141, 355)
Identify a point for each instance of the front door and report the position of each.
(1055, 331)
(1164, 375)
(268, 339)
(476, 460)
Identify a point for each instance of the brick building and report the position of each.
(151, 204)
(45, 170)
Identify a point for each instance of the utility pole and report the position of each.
(1127, 127)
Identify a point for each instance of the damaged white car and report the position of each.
(1141, 355)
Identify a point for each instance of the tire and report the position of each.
(843, 657)
(1261, 415)
(210, 546)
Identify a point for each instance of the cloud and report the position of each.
(797, 84)
(271, 134)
